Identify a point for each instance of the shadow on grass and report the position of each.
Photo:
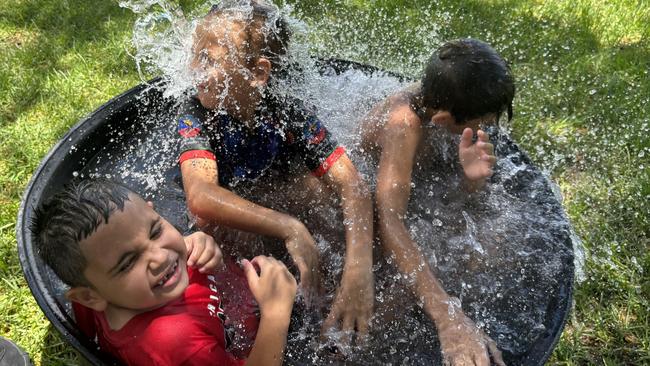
(56, 351)
(60, 28)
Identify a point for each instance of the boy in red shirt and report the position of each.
(150, 296)
(466, 85)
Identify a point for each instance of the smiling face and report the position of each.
(135, 262)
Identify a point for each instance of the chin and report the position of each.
(206, 101)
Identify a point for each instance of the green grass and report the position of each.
(582, 112)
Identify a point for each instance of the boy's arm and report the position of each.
(274, 290)
(399, 144)
(354, 300)
(215, 204)
(459, 337)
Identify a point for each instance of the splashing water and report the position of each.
(502, 253)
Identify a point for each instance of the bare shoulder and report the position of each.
(400, 105)
(392, 113)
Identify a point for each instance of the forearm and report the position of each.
(270, 341)
(410, 261)
(218, 205)
(358, 221)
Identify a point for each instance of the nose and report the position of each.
(158, 259)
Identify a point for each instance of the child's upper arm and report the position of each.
(399, 142)
(196, 158)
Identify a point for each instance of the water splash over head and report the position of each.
(487, 250)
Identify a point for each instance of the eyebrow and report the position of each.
(114, 270)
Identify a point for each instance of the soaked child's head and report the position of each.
(110, 247)
(470, 80)
(237, 47)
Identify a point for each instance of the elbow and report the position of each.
(197, 200)
(194, 204)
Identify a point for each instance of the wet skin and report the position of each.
(230, 81)
(136, 262)
(393, 133)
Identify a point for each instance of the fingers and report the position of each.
(348, 329)
(215, 262)
(497, 357)
(466, 138)
(461, 359)
(261, 262)
(251, 274)
(202, 258)
(197, 251)
(189, 245)
(489, 158)
(482, 136)
(362, 329)
(482, 358)
(330, 322)
(305, 272)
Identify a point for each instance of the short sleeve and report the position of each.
(193, 143)
(319, 148)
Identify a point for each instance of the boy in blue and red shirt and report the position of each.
(237, 129)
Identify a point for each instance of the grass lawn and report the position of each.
(582, 111)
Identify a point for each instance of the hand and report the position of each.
(302, 248)
(274, 288)
(476, 159)
(464, 344)
(203, 252)
(353, 305)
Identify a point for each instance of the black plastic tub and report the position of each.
(108, 142)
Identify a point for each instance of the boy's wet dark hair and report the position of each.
(267, 31)
(70, 216)
(468, 78)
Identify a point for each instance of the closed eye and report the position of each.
(156, 229)
(128, 264)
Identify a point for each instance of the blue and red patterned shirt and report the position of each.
(284, 134)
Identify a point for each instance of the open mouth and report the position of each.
(170, 277)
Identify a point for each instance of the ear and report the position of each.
(442, 118)
(261, 72)
(87, 297)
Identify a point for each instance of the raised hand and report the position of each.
(477, 159)
(203, 252)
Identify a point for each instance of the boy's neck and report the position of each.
(247, 114)
(117, 317)
(416, 100)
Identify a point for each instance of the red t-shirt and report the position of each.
(186, 331)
